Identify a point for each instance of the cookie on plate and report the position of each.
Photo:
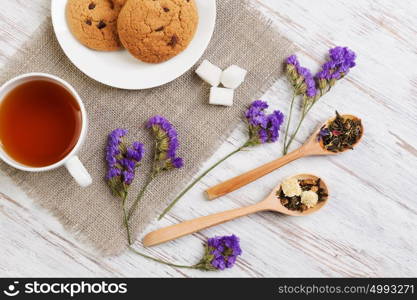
(94, 23)
(157, 30)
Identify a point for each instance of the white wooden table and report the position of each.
(369, 227)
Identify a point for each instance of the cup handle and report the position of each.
(78, 171)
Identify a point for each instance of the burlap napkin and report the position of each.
(242, 37)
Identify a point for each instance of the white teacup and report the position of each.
(71, 160)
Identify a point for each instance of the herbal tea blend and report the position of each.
(340, 134)
(301, 194)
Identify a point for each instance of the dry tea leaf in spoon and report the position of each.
(302, 192)
(340, 133)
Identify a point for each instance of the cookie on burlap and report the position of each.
(94, 23)
(157, 30)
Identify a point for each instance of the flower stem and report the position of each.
(140, 195)
(171, 205)
(126, 221)
(289, 120)
(161, 261)
(303, 115)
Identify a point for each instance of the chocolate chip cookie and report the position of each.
(94, 23)
(157, 30)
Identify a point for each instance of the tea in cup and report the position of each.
(43, 124)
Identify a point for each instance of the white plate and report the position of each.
(120, 69)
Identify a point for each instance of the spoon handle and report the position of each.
(176, 231)
(246, 178)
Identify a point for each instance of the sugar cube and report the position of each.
(233, 77)
(209, 73)
(221, 96)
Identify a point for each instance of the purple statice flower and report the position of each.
(255, 115)
(165, 156)
(135, 152)
(341, 60)
(127, 164)
(113, 172)
(128, 177)
(221, 253)
(263, 128)
(121, 161)
(113, 151)
(343, 57)
(177, 162)
(301, 78)
(275, 121)
(324, 131)
(167, 143)
(311, 90)
(293, 60)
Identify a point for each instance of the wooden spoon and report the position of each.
(310, 148)
(271, 203)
